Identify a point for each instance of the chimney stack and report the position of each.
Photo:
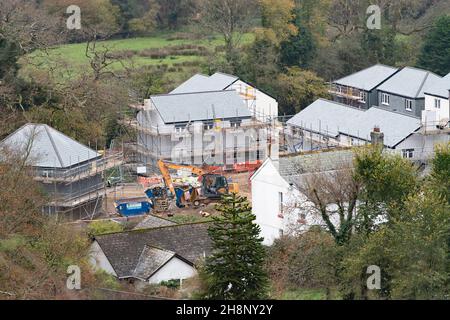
(376, 136)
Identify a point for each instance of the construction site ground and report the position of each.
(180, 215)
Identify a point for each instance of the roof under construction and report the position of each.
(47, 147)
(200, 106)
(200, 83)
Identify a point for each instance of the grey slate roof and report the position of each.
(439, 87)
(48, 147)
(332, 118)
(293, 166)
(409, 82)
(150, 261)
(200, 106)
(200, 83)
(368, 78)
(124, 249)
(152, 221)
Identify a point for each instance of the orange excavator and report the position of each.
(213, 186)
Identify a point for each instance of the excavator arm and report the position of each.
(165, 166)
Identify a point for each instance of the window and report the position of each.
(338, 89)
(208, 126)
(235, 123)
(280, 202)
(363, 96)
(408, 153)
(179, 128)
(408, 104)
(385, 98)
(437, 103)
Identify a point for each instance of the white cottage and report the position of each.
(278, 204)
(153, 255)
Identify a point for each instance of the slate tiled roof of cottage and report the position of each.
(150, 261)
(129, 251)
(152, 221)
(293, 166)
(48, 147)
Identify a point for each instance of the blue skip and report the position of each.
(133, 207)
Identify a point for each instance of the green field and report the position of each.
(173, 53)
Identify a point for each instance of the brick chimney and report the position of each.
(376, 136)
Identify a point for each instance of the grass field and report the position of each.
(161, 49)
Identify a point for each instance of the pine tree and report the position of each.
(235, 270)
(435, 54)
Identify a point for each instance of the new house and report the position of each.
(212, 127)
(327, 124)
(360, 89)
(405, 91)
(278, 203)
(70, 173)
(436, 115)
(153, 255)
(262, 106)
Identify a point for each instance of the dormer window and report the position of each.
(385, 99)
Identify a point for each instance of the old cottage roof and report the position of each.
(200, 83)
(152, 221)
(200, 106)
(132, 252)
(409, 82)
(48, 147)
(333, 118)
(329, 160)
(150, 261)
(368, 78)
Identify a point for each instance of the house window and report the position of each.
(235, 123)
(408, 153)
(280, 202)
(408, 104)
(385, 99)
(437, 103)
(338, 89)
(363, 96)
(208, 126)
(179, 128)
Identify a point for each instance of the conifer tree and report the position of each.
(235, 270)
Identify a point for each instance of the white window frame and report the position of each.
(408, 104)
(363, 96)
(408, 153)
(280, 203)
(437, 103)
(385, 99)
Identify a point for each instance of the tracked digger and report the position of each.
(212, 188)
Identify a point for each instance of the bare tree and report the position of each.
(332, 196)
(229, 18)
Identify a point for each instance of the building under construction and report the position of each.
(71, 174)
(213, 128)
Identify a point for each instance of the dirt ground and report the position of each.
(180, 214)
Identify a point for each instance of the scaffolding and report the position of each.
(156, 141)
(77, 192)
